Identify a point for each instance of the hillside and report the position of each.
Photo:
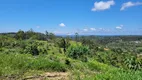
(36, 56)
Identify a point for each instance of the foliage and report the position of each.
(20, 35)
(133, 63)
(139, 50)
(63, 43)
(78, 52)
(32, 48)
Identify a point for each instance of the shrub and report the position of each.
(78, 51)
(139, 50)
(133, 63)
(63, 43)
(67, 62)
(31, 48)
(117, 50)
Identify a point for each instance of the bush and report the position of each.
(133, 63)
(31, 48)
(139, 50)
(63, 43)
(67, 62)
(117, 50)
(78, 51)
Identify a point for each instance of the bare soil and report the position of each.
(50, 76)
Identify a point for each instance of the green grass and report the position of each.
(12, 64)
(107, 72)
(117, 75)
(26, 64)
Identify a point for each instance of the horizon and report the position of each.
(86, 17)
(63, 35)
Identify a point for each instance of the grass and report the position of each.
(112, 73)
(12, 64)
(25, 64)
(117, 75)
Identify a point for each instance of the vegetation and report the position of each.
(84, 57)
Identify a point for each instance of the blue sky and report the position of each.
(95, 17)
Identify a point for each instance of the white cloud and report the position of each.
(99, 6)
(119, 27)
(62, 25)
(130, 4)
(92, 29)
(85, 30)
(101, 28)
(37, 27)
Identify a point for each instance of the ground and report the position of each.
(50, 76)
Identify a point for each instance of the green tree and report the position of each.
(47, 34)
(0, 44)
(76, 37)
(51, 36)
(63, 43)
(20, 35)
(29, 34)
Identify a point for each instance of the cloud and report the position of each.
(62, 25)
(130, 4)
(37, 27)
(100, 28)
(92, 29)
(85, 30)
(100, 6)
(119, 27)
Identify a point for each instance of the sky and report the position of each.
(66, 17)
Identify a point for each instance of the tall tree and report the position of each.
(63, 43)
(76, 37)
(47, 34)
(51, 36)
(20, 35)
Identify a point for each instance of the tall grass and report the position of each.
(107, 72)
(117, 75)
(14, 63)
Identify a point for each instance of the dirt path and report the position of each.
(50, 76)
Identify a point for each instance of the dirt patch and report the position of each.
(49, 76)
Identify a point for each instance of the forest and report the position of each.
(30, 55)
